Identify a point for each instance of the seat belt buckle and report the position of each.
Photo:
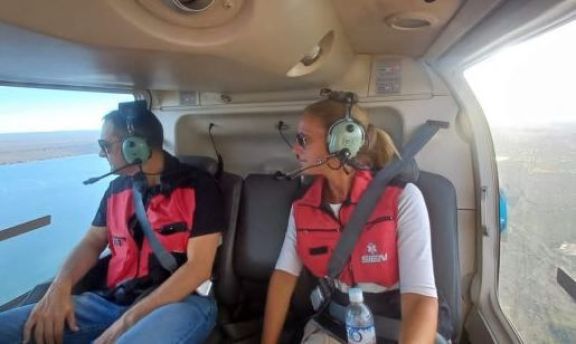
(205, 289)
(322, 294)
(316, 298)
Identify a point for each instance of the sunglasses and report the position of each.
(302, 140)
(105, 146)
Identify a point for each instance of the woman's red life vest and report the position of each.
(164, 211)
(375, 256)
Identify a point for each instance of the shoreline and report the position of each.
(22, 158)
(28, 147)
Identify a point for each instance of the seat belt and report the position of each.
(385, 327)
(166, 259)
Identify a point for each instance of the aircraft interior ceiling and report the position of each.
(217, 45)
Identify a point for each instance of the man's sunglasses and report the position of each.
(105, 146)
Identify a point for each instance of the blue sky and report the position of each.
(35, 110)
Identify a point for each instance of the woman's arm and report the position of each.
(419, 314)
(419, 305)
(282, 285)
(280, 291)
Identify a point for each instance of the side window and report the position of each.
(527, 94)
(47, 148)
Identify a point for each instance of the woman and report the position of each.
(392, 259)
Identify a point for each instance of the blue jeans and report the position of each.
(187, 321)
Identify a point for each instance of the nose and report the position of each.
(297, 149)
(101, 153)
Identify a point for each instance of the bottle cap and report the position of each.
(355, 295)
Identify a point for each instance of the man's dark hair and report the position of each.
(145, 124)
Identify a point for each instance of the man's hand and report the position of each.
(113, 332)
(47, 319)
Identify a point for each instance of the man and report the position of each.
(142, 301)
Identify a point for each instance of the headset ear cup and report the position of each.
(345, 134)
(331, 142)
(135, 150)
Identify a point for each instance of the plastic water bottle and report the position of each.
(359, 320)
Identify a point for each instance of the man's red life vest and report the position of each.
(164, 211)
(375, 256)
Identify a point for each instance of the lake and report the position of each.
(38, 188)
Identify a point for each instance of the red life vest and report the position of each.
(375, 256)
(128, 261)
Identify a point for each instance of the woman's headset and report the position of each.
(135, 148)
(345, 136)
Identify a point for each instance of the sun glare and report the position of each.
(531, 83)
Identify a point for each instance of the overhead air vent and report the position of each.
(193, 6)
(313, 58)
(410, 21)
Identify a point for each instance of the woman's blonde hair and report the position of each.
(378, 149)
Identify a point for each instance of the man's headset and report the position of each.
(135, 148)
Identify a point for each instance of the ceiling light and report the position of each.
(193, 6)
(410, 21)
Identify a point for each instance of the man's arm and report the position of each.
(419, 317)
(201, 251)
(56, 307)
(84, 256)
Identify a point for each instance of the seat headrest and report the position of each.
(261, 228)
(204, 163)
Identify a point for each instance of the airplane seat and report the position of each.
(262, 223)
(440, 197)
(263, 217)
(204, 163)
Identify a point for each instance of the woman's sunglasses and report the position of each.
(302, 140)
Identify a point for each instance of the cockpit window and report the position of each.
(48, 146)
(527, 95)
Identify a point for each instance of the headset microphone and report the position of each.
(279, 175)
(95, 179)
